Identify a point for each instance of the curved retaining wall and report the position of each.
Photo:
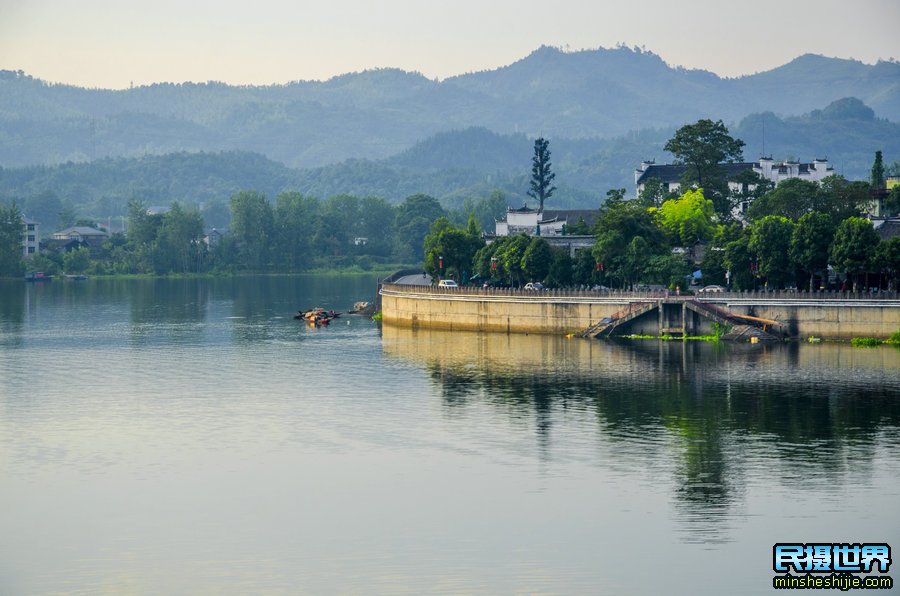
(515, 311)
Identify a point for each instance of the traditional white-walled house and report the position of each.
(32, 238)
(549, 224)
(776, 171)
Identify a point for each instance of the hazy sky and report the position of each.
(111, 43)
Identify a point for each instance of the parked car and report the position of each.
(711, 289)
(447, 283)
(535, 286)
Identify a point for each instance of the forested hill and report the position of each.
(451, 166)
(376, 114)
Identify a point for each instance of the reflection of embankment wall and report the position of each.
(542, 312)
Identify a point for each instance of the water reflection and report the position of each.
(12, 312)
(709, 417)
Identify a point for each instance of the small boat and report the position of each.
(317, 317)
(38, 276)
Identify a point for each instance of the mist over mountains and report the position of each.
(392, 134)
(378, 114)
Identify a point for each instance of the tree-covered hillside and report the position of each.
(467, 164)
(376, 114)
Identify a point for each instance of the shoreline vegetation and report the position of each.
(321, 271)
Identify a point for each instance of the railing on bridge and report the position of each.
(637, 296)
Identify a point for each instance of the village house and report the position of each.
(551, 225)
(32, 238)
(767, 168)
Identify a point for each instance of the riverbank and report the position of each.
(794, 315)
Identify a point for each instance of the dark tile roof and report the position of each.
(571, 216)
(889, 229)
(672, 173)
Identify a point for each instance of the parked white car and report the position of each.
(447, 283)
(711, 289)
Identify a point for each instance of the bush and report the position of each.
(866, 342)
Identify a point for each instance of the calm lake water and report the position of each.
(190, 437)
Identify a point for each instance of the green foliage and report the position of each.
(412, 220)
(713, 265)
(688, 219)
(77, 261)
(654, 194)
(810, 242)
(876, 180)
(619, 223)
(887, 259)
(561, 269)
(866, 342)
(702, 146)
(770, 241)
(252, 227)
(537, 260)
(739, 260)
(854, 246)
(12, 231)
(792, 198)
(42, 262)
(541, 185)
(456, 248)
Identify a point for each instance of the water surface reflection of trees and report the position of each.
(803, 413)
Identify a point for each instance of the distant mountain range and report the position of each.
(568, 97)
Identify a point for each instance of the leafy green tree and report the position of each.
(688, 219)
(41, 262)
(810, 242)
(891, 204)
(541, 175)
(877, 178)
(887, 259)
(509, 258)
(854, 246)
(77, 261)
(456, 248)
(741, 263)
(561, 269)
(713, 266)
(584, 269)
(841, 198)
(180, 240)
(666, 269)
(770, 241)
(618, 224)
(296, 219)
(792, 199)
(653, 194)
(537, 260)
(412, 221)
(634, 261)
(252, 227)
(702, 146)
(12, 230)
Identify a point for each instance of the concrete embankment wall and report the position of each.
(567, 312)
